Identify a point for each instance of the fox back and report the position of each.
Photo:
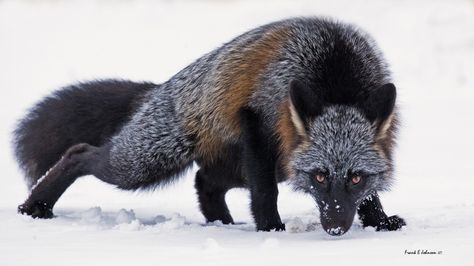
(339, 62)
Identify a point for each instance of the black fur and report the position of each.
(213, 181)
(306, 102)
(380, 103)
(340, 75)
(88, 112)
(81, 159)
(371, 214)
(259, 160)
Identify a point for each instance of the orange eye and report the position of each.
(320, 178)
(356, 179)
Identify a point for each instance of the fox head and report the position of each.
(339, 161)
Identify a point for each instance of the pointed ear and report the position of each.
(305, 101)
(304, 104)
(379, 104)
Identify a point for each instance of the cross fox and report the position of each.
(304, 100)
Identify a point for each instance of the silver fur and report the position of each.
(341, 141)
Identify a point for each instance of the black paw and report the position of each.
(391, 223)
(278, 226)
(37, 209)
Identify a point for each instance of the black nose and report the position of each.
(337, 223)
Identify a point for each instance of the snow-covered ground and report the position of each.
(430, 45)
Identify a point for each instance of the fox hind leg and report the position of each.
(212, 183)
(79, 160)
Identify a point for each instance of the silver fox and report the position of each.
(308, 100)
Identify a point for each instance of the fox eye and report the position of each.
(356, 179)
(320, 178)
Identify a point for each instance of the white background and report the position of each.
(429, 44)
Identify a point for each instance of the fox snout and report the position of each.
(336, 216)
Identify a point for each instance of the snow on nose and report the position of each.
(336, 231)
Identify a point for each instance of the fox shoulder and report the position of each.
(237, 76)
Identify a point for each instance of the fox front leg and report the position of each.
(371, 214)
(259, 169)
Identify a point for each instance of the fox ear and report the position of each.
(305, 101)
(304, 104)
(380, 103)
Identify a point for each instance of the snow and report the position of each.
(429, 44)
(295, 225)
(124, 216)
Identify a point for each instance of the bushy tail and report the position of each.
(89, 112)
